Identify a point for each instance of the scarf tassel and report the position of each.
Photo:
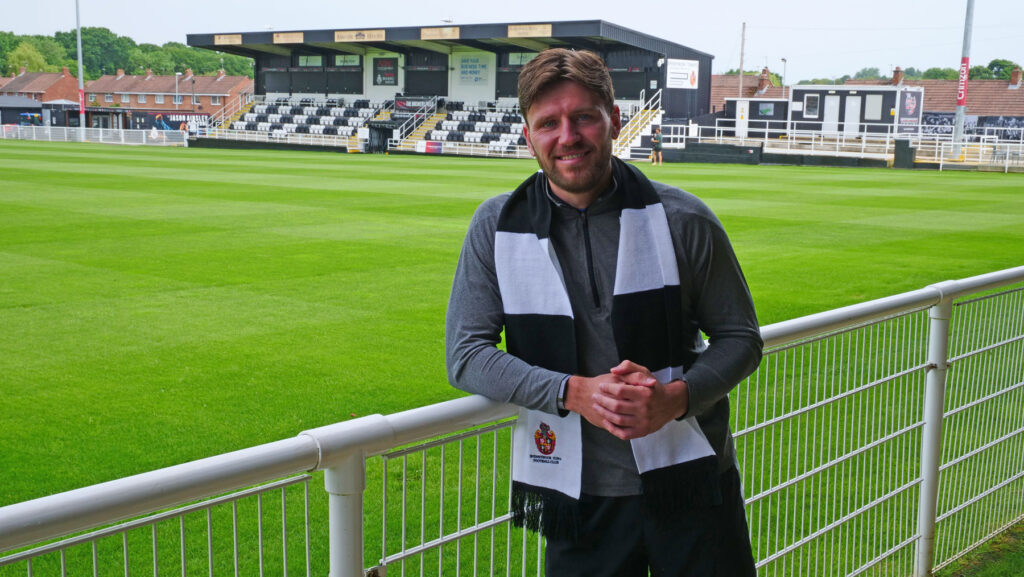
(551, 513)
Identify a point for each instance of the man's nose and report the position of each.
(569, 132)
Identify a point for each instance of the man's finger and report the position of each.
(627, 366)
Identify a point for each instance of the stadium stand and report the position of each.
(282, 115)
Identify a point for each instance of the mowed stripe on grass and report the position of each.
(163, 305)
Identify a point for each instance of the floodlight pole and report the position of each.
(81, 81)
(961, 89)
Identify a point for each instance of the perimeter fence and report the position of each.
(885, 438)
(101, 135)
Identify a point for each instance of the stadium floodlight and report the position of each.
(81, 81)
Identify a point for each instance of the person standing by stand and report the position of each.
(656, 147)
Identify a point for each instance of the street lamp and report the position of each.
(177, 75)
(783, 77)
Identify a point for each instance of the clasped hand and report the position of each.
(628, 401)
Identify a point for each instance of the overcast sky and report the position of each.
(822, 38)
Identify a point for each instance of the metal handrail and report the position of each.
(330, 446)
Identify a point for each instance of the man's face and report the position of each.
(569, 131)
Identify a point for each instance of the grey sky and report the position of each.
(820, 38)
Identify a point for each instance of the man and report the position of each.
(603, 282)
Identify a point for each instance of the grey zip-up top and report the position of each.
(715, 300)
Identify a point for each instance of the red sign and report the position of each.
(961, 87)
(81, 101)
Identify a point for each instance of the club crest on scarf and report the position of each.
(544, 437)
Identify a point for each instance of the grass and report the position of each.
(164, 305)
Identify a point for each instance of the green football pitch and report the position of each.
(163, 305)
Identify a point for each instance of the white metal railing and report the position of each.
(995, 154)
(638, 123)
(102, 135)
(886, 436)
(495, 149)
(224, 115)
(418, 117)
(304, 139)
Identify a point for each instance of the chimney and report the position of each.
(188, 74)
(149, 73)
(1015, 78)
(220, 74)
(21, 70)
(897, 77)
(763, 81)
(64, 71)
(120, 73)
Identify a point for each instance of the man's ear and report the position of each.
(616, 122)
(526, 135)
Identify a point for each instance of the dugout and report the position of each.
(470, 63)
(855, 109)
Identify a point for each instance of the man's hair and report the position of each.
(557, 64)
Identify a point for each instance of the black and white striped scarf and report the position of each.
(677, 465)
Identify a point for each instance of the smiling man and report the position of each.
(603, 282)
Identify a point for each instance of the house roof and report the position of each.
(32, 82)
(727, 86)
(4, 80)
(143, 84)
(18, 102)
(984, 97)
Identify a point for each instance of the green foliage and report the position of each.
(1002, 68)
(52, 51)
(26, 55)
(912, 72)
(941, 74)
(980, 73)
(8, 41)
(867, 74)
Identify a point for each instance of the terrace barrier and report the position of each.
(880, 438)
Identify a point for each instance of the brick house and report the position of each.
(727, 86)
(142, 101)
(41, 86)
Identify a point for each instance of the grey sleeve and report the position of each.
(474, 324)
(719, 302)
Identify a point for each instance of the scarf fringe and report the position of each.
(673, 490)
(553, 514)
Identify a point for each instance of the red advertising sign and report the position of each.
(961, 87)
(81, 101)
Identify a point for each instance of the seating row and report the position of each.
(301, 119)
(499, 127)
(484, 137)
(279, 128)
(314, 110)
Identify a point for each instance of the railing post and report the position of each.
(345, 484)
(931, 435)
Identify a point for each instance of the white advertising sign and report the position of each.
(682, 74)
(473, 70)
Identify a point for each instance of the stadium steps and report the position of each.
(630, 135)
(421, 132)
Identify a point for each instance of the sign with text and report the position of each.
(908, 117)
(445, 33)
(227, 39)
(289, 37)
(961, 86)
(682, 74)
(529, 31)
(473, 70)
(385, 71)
(359, 35)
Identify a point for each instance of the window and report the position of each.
(811, 105)
(873, 107)
(520, 58)
(308, 60)
(766, 109)
(178, 98)
(195, 99)
(142, 99)
(108, 97)
(126, 99)
(346, 60)
(159, 99)
(215, 100)
(92, 97)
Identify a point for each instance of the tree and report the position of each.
(8, 42)
(980, 73)
(1002, 68)
(867, 74)
(941, 74)
(103, 52)
(25, 55)
(53, 52)
(911, 72)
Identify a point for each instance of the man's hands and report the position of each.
(628, 402)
